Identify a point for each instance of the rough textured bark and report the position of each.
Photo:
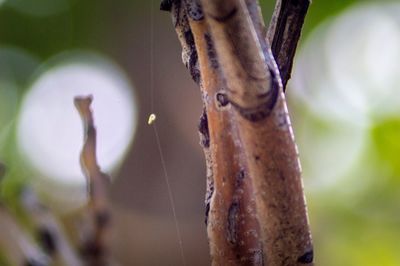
(265, 131)
(254, 136)
(230, 207)
(232, 226)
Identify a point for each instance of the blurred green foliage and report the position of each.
(386, 140)
(3, 260)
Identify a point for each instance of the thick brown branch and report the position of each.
(241, 56)
(267, 139)
(284, 32)
(232, 225)
(257, 130)
(233, 229)
(96, 247)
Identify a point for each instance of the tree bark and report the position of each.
(232, 225)
(226, 46)
(232, 228)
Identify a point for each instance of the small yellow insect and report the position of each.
(152, 118)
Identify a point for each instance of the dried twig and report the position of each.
(49, 231)
(96, 247)
(241, 58)
(18, 245)
(284, 33)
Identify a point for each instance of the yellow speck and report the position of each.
(152, 118)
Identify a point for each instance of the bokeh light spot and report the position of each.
(50, 131)
(345, 80)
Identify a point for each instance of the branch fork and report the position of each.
(256, 211)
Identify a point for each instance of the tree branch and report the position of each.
(230, 212)
(265, 132)
(17, 244)
(50, 233)
(232, 226)
(242, 57)
(284, 33)
(255, 135)
(19, 247)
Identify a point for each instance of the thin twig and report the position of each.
(50, 233)
(96, 246)
(18, 246)
(284, 33)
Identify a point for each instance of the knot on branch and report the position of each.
(261, 111)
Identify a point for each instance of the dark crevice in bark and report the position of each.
(204, 131)
(47, 240)
(212, 54)
(307, 257)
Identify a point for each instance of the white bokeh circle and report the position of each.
(50, 131)
(348, 67)
(345, 78)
